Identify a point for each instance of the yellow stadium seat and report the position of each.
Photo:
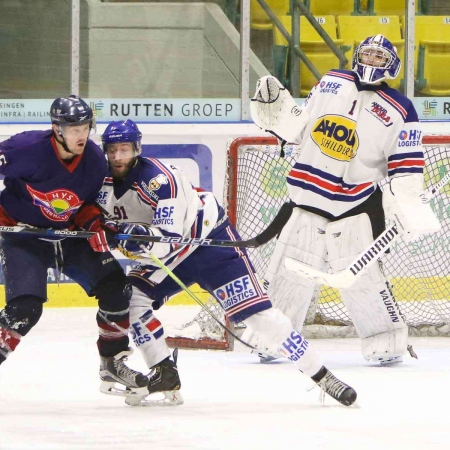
(392, 7)
(433, 55)
(388, 7)
(354, 29)
(259, 20)
(332, 7)
(314, 47)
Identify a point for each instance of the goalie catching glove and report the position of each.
(133, 249)
(403, 204)
(274, 110)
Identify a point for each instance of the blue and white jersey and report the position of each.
(161, 196)
(356, 136)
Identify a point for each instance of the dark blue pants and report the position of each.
(225, 272)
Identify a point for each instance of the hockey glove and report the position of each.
(133, 249)
(402, 204)
(104, 240)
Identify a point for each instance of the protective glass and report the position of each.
(75, 131)
(123, 150)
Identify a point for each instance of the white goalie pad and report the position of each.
(274, 110)
(369, 301)
(403, 204)
(303, 239)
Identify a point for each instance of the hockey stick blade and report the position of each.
(269, 233)
(345, 278)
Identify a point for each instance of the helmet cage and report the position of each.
(376, 59)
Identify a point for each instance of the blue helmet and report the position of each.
(122, 131)
(381, 60)
(72, 110)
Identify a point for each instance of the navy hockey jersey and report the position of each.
(40, 188)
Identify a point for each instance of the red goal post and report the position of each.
(255, 188)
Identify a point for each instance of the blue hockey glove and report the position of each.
(132, 249)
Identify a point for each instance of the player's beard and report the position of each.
(119, 173)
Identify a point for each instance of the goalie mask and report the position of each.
(123, 131)
(376, 59)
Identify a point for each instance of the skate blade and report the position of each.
(171, 398)
(113, 388)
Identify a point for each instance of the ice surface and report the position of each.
(49, 398)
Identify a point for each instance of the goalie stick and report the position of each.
(269, 233)
(345, 278)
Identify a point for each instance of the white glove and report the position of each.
(403, 204)
(274, 110)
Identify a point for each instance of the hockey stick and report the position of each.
(269, 233)
(345, 278)
(165, 269)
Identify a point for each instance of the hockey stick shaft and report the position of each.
(165, 269)
(348, 276)
(269, 233)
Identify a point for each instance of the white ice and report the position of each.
(49, 398)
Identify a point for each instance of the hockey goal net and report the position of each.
(255, 189)
(418, 271)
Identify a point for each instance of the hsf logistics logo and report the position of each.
(235, 292)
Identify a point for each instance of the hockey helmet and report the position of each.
(71, 111)
(122, 131)
(376, 59)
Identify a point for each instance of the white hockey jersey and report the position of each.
(162, 197)
(356, 136)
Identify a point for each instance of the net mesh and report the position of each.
(418, 271)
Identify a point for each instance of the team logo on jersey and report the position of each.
(380, 113)
(155, 183)
(336, 137)
(235, 292)
(409, 139)
(57, 205)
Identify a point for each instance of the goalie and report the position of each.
(354, 130)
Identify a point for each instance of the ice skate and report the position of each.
(334, 387)
(164, 381)
(390, 361)
(113, 370)
(264, 358)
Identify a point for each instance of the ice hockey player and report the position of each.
(52, 179)
(354, 131)
(147, 197)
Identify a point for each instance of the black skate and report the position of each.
(334, 387)
(114, 370)
(164, 380)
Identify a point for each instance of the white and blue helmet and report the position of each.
(376, 59)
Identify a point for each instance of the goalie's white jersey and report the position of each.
(356, 135)
(161, 196)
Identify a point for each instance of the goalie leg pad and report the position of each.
(385, 347)
(303, 239)
(369, 301)
(275, 328)
(146, 330)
